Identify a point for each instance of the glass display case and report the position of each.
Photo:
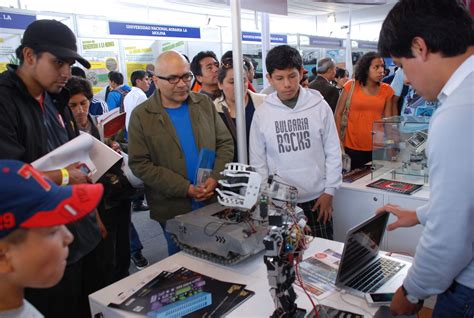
(399, 147)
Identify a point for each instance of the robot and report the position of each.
(284, 246)
(285, 239)
(252, 215)
(229, 232)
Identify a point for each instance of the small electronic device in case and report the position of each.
(418, 141)
(85, 169)
(379, 299)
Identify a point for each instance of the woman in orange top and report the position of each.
(371, 100)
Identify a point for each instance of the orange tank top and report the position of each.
(363, 111)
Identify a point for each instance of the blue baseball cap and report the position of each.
(28, 199)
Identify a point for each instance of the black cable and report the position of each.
(218, 228)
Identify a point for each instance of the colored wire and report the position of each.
(298, 276)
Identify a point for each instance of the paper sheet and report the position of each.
(319, 273)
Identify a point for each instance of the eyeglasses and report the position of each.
(173, 79)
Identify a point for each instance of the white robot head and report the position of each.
(243, 185)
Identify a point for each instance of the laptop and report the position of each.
(362, 269)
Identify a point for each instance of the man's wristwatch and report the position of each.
(412, 299)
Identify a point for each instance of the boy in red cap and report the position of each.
(33, 239)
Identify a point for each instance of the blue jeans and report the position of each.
(172, 247)
(456, 302)
(135, 243)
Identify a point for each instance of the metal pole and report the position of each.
(265, 45)
(349, 67)
(238, 81)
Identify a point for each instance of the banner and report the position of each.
(257, 37)
(322, 41)
(367, 45)
(141, 29)
(15, 21)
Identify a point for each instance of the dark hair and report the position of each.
(77, 71)
(137, 75)
(79, 85)
(282, 57)
(304, 78)
(186, 57)
(248, 63)
(19, 53)
(341, 72)
(223, 69)
(227, 56)
(445, 25)
(196, 62)
(115, 77)
(362, 67)
(314, 70)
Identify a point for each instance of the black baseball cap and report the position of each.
(54, 37)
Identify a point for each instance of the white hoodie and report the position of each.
(300, 145)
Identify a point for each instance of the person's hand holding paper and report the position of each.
(83, 149)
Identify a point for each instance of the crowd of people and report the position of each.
(63, 238)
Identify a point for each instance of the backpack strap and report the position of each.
(123, 93)
(345, 112)
(230, 122)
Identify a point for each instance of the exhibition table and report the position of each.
(251, 272)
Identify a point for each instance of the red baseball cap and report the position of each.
(28, 199)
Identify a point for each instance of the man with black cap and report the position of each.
(35, 120)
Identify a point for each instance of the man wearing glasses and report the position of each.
(166, 135)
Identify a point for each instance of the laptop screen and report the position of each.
(362, 245)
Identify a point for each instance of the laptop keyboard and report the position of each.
(375, 275)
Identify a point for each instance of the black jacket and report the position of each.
(23, 137)
(22, 132)
(329, 92)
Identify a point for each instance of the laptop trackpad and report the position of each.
(392, 285)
